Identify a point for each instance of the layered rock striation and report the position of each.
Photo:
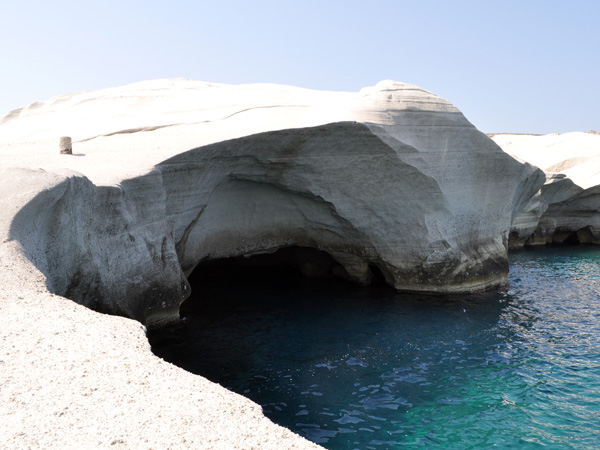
(567, 207)
(170, 173)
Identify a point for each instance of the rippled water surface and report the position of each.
(358, 368)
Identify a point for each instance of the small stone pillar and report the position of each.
(66, 147)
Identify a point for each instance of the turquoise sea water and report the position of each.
(368, 368)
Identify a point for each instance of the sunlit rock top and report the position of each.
(575, 154)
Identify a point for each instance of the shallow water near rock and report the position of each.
(367, 368)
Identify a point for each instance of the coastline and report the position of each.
(74, 378)
(71, 377)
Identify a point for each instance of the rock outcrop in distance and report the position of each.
(567, 208)
(169, 173)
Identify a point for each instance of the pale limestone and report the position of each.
(567, 207)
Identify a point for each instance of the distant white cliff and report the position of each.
(567, 208)
(168, 173)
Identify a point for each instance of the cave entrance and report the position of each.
(581, 236)
(237, 303)
(289, 264)
(289, 267)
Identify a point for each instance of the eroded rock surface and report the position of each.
(567, 208)
(169, 173)
(71, 378)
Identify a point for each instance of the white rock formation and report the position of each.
(392, 176)
(71, 378)
(567, 207)
(167, 173)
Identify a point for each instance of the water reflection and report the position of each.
(352, 367)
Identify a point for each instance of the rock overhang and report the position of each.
(411, 187)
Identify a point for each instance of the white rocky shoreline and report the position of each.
(71, 377)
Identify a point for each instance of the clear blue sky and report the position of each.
(510, 66)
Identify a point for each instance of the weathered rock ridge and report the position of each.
(391, 177)
(567, 207)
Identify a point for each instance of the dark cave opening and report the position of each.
(284, 265)
(288, 265)
(234, 299)
(571, 239)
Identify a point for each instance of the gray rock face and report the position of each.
(380, 210)
(101, 246)
(409, 187)
(575, 218)
(536, 223)
(567, 207)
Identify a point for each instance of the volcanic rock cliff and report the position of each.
(166, 174)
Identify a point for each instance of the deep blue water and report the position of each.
(368, 368)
